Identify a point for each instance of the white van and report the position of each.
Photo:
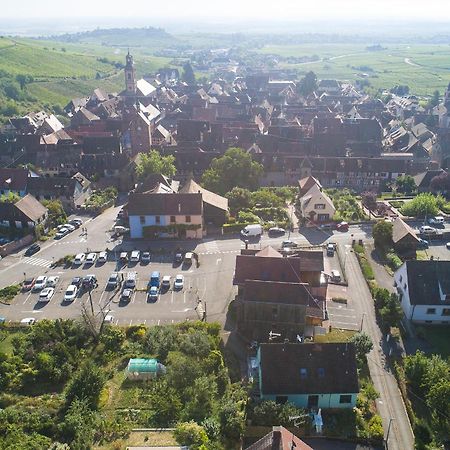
(130, 281)
(252, 230)
(438, 220)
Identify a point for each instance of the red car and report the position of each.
(28, 284)
(343, 226)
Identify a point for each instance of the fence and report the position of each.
(11, 247)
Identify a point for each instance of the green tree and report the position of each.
(234, 168)
(441, 183)
(165, 404)
(191, 435)
(12, 90)
(161, 340)
(405, 184)
(23, 80)
(422, 205)
(56, 213)
(113, 338)
(195, 343)
(369, 200)
(391, 313)
(363, 344)
(188, 75)
(266, 199)
(308, 84)
(382, 235)
(86, 385)
(434, 100)
(79, 425)
(10, 197)
(154, 163)
(238, 198)
(269, 413)
(202, 399)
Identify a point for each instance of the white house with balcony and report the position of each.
(424, 290)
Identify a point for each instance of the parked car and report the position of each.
(155, 279)
(326, 226)
(89, 282)
(91, 258)
(335, 275)
(61, 233)
(276, 231)
(437, 221)
(76, 281)
(113, 280)
(109, 319)
(32, 249)
(28, 321)
(46, 294)
(135, 256)
(179, 282)
(153, 293)
(288, 244)
(188, 257)
(69, 227)
(52, 281)
(165, 284)
(252, 231)
(423, 244)
(102, 257)
(145, 257)
(342, 226)
(71, 293)
(448, 245)
(76, 222)
(40, 283)
(28, 284)
(123, 257)
(178, 258)
(130, 281)
(330, 249)
(425, 229)
(126, 294)
(79, 259)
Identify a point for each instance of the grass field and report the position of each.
(424, 68)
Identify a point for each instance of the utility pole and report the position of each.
(90, 299)
(362, 322)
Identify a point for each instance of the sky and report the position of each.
(226, 10)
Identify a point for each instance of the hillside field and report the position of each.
(424, 68)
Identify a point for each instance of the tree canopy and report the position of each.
(382, 234)
(422, 205)
(155, 163)
(405, 184)
(235, 168)
(308, 84)
(188, 75)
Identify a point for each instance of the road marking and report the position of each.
(131, 321)
(218, 261)
(32, 312)
(184, 297)
(28, 297)
(171, 298)
(37, 262)
(159, 321)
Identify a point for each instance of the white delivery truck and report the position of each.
(252, 230)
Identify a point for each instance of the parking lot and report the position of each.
(171, 305)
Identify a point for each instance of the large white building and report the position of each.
(424, 290)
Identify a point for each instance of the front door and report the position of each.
(313, 401)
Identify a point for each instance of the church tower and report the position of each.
(130, 75)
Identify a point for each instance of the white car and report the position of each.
(179, 282)
(28, 321)
(61, 233)
(109, 319)
(165, 282)
(52, 281)
(79, 259)
(135, 256)
(71, 293)
(69, 227)
(46, 294)
(425, 229)
(91, 258)
(40, 283)
(102, 257)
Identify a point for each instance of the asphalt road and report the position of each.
(390, 404)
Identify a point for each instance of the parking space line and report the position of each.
(171, 298)
(131, 321)
(184, 296)
(27, 298)
(159, 321)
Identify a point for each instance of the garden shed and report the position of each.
(144, 369)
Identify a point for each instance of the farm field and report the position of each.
(424, 68)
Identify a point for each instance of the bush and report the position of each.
(394, 261)
(425, 204)
(8, 293)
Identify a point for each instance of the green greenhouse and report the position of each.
(144, 369)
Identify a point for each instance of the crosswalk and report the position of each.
(37, 262)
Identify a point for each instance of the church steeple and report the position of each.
(130, 75)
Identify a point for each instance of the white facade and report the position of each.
(435, 312)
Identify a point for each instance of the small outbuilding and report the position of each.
(144, 369)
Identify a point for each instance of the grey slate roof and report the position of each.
(281, 366)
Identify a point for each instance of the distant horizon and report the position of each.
(38, 26)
